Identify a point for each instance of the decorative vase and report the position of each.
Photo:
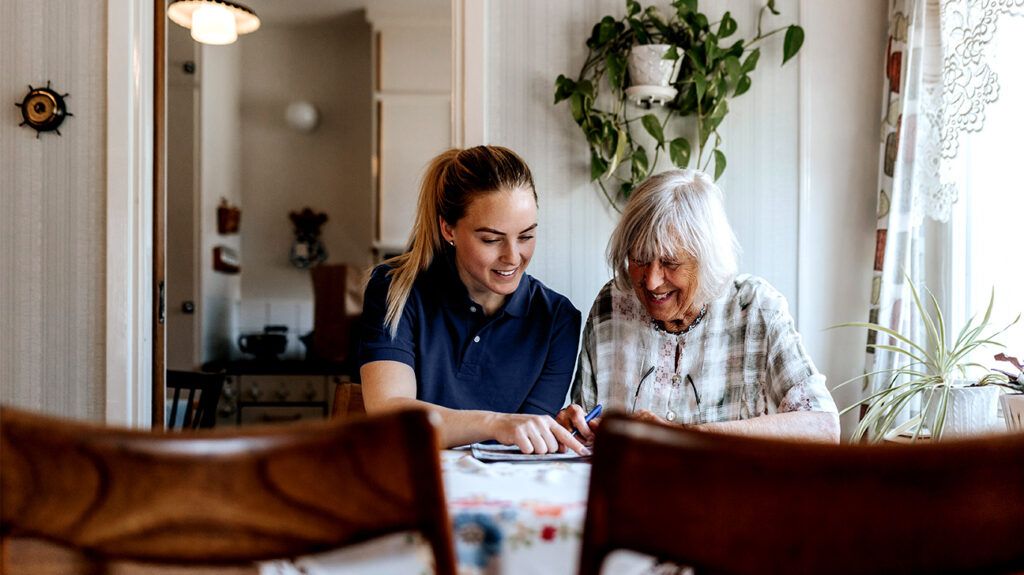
(971, 410)
(1013, 411)
(651, 75)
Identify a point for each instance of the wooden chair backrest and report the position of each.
(221, 498)
(752, 506)
(202, 394)
(348, 401)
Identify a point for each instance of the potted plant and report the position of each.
(935, 371)
(696, 69)
(1013, 401)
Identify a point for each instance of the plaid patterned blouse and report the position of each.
(742, 360)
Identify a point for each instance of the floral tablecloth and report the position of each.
(507, 518)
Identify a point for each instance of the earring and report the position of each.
(451, 243)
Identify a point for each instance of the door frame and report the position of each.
(129, 337)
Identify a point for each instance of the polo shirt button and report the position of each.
(476, 339)
(472, 309)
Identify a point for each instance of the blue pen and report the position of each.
(596, 412)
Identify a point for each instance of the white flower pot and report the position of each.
(970, 410)
(1013, 411)
(650, 74)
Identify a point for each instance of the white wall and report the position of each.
(220, 167)
(801, 147)
(52, 211)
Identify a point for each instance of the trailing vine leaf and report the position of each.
(719, 164)
(616, 66)
(742, 85)
(679, 152)
(751, 62)
(710, 73)
(653, 127)
(794, 40)
(639, 166)
(597, 166)
(727, 27)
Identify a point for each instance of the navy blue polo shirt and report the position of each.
(518, 360)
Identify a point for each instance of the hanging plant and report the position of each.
(699, 72)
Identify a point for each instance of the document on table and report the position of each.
(489, 453)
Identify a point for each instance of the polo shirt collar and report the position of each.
(453, 293)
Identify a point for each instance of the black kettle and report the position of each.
(267, 345)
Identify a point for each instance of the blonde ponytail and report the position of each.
(450, 183)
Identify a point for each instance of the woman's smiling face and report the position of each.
(494, 242)
(665, 286)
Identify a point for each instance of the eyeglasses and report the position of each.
(675, 386)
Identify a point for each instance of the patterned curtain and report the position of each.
(937, 86)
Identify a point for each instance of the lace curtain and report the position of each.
(937, 86)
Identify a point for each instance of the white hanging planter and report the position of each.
(971, 410)
(651, 75)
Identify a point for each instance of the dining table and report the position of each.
(519, 518)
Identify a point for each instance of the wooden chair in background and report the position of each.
(348, 401)
(753, 506)
(218, 498)
(201, 410)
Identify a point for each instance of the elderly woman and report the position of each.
(677, 336)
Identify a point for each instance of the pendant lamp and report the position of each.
(215, 22)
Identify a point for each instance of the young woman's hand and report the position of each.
(535, 434)
(574, 417)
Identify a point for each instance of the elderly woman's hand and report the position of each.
(644, 415)
(535, 434)
(574, 418)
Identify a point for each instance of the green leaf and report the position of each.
(653, 127)
(576, 105)
(684, 7)
(632, 8)
(564, 87)
(626, 189)
(639, 164)
(586, 87)
(616, 66)
(742, 85)
(621, 139)
(702, 85)
(605, 30)
(719, 164)
(639, 32)
(671, 54)
(598, 166)
(734, 69)
(751, 62)
(679, 152)
(794, 40)
(727, 27)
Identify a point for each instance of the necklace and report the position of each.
(696, 321)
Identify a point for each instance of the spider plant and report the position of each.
(927, 369)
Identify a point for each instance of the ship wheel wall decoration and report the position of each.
(43, 109)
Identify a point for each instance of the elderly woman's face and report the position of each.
(665, 287)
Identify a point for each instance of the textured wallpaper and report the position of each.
(52, 210)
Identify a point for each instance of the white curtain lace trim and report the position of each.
(954, 100)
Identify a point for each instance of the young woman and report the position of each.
(456, 326)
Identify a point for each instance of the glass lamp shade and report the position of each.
(215, 22)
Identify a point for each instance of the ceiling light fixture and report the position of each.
(215, 22)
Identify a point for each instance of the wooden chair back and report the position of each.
(348, 401)
(753, 506)
(221, 498)
(201, 392)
